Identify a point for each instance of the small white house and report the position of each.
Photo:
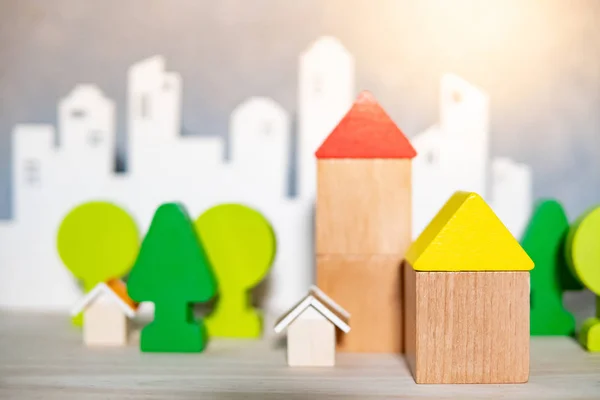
(106, 312)
(311, 336)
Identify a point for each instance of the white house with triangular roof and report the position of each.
(311, 330)
(106, 310)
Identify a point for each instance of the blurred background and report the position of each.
(538, 60)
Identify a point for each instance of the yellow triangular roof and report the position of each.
(466, 235)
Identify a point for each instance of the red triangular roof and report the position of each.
(366, 131)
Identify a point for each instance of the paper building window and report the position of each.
(456, 96)
(32, 172)
(500, 177)
(78, 113)
(144, 106)
(267, 128)
(95, 138)
(318, 85)
(431, 157)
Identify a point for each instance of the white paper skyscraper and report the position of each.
(512, 195)
(325, 93)
(454, 155)
(33, 166)
(154, 113)
(86, 123)
(260, 136)
(464, 125)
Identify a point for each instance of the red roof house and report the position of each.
(363, 223)
(366, 131)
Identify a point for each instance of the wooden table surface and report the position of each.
(42, 357)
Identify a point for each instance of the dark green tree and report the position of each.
(172, 271)
(544, 242)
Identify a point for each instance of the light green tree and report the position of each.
(97, 241)
(240, 244)
(583, 256)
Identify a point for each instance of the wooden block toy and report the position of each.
(467, 298)
(467, 327)
(377, 311)
(583, 256)
(106, 309)
(364, 185)
(97, 241)
(311, 325)
(452, 240)
(240, 244)
(173, 271)
(363, 206)
(544, 242)
(363, 223)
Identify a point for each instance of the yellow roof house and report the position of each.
(466, 235)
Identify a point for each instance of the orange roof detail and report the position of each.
(120, 289)
(116, 290)
(366, 131)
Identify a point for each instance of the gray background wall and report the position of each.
(538, 59)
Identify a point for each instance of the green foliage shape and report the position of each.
(544, 242)
(172, 271)
(241, 247)
(583, 256)
(97, 241)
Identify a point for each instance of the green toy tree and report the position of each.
(97, 241)
(544, 242)
(172, 271)
(583, 256)
(240, 244)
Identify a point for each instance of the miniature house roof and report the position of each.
(466, 235)
(366, 131)
(114, 289)
(321, 303)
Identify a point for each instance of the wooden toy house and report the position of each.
(311, 328)
(363, 223)
(467, 298)
(106, 312)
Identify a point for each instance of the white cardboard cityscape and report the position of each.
(49, 179)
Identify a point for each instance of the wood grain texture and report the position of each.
(42, 357)
(467, 327)
(105, 324)
(311, 341)
(370, 289)
(363, 206)
(409, 300)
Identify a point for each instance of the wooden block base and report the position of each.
(363, 207)
(467, 327)
(370, 289)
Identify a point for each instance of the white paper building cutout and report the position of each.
(325, 93)
(454, 155)
(49, 179)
